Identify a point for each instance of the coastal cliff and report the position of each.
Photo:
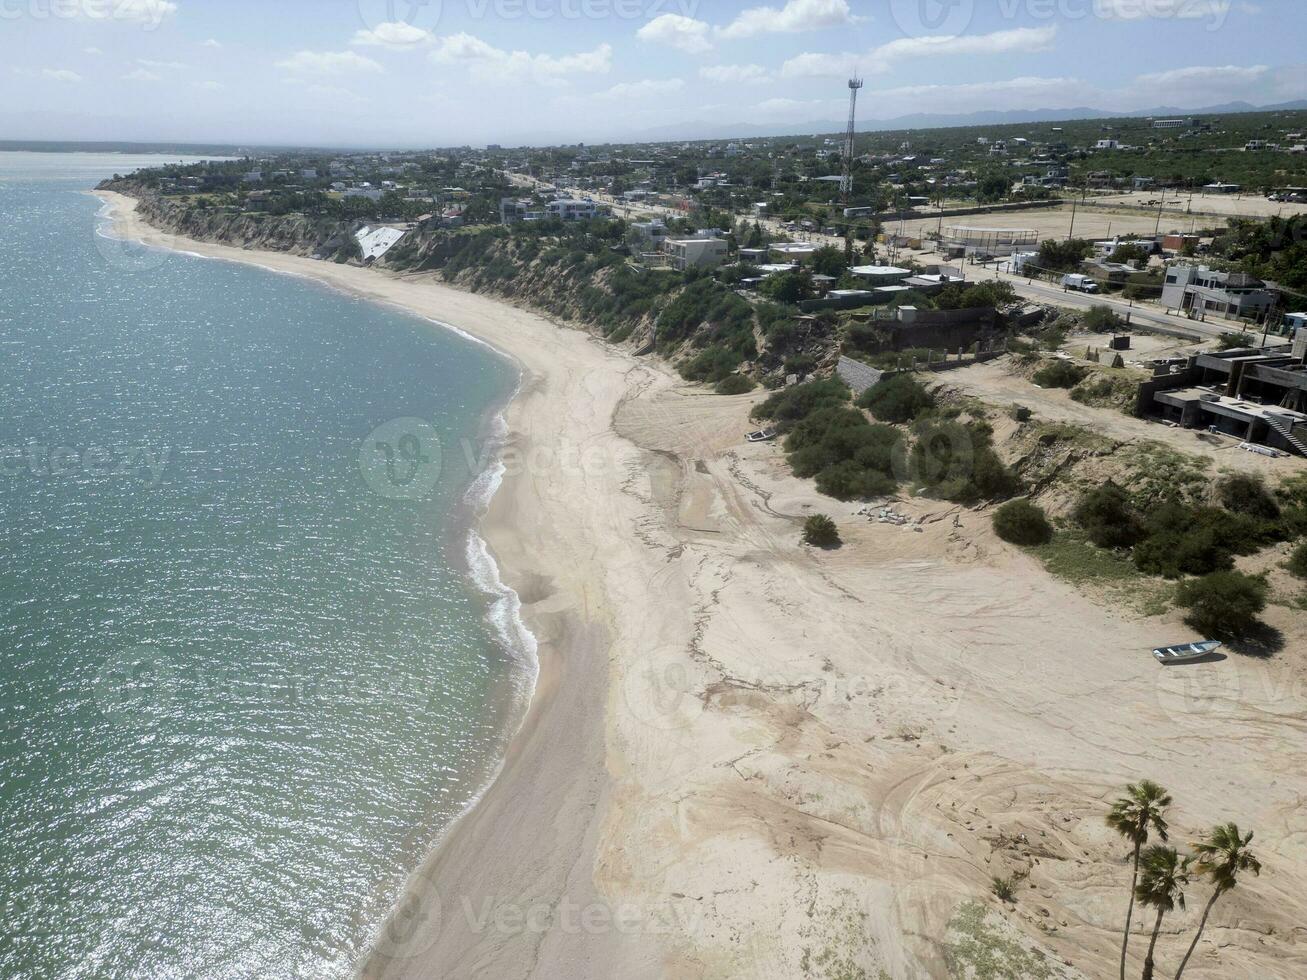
(707, 329)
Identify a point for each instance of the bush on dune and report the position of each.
(1223, 604)
(1022, 522)
(897, 398)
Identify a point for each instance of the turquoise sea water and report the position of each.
(247, 672)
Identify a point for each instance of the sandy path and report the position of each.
(995, 383)
(812, 760)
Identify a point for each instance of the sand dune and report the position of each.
(746, 758)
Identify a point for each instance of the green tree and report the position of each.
(1223, 855)
(1063, 256)
(1223, 603)
(1022, 522)
(820, 531)
(1162, 880)
(1298, 560)
(788, 287)
(828, 261)
(1136, 816)
(897, 398)
(1107, 517)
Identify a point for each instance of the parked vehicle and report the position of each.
(1080, 284)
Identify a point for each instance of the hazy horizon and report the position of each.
(354, 73)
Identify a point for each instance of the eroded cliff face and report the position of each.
(280, 233)
(546, 276)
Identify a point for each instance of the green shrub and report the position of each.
(1059, 374)
(1223, 603)
(897, 398)
(956, 462)
(798, 401)
(1004, 889)
(1101, 319)
(1022, 522)
(1246, 493)
(1298, 560)
(1020, 413)
(820, 532)
(1107, 517)
(735, 384)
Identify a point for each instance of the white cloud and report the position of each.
(794, 17)
(683, 33)
(92, 51)
(395, 34)
(160, 65)
(1162, 9)
(735, 74)
(211, 43)
(142, 75)
(1206, 75)
(60, 75)
(328, 63)
(490, 62)
(645, 89)
(1019, 40)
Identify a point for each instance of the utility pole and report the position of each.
(846, 180)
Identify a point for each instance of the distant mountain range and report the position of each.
(926, 120)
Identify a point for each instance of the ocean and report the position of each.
(253, 659)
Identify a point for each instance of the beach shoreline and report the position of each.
(547, 740)
(746, 757)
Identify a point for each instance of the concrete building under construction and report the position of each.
(1256, 394)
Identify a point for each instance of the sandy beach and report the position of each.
(748, 758)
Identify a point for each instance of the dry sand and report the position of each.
(750, 759)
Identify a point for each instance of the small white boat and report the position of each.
(762, 435)
(1186, 652)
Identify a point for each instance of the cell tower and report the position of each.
(846, 180)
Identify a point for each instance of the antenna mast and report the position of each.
(846, 180)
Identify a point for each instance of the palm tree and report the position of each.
(1161, 886)
(1222, 855)
(1134, 816)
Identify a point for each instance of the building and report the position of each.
(376, 242)
(1220, 188)
(695, 253)
(1107, 145)
(963, 240)
(880, 275)
(1200, 290)
(652, 232)
(570, 209)
(1257, 395)
(794, 251)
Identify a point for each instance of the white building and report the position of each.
(570, 209)
(695, 253)
(376, 242)
(1202, 290)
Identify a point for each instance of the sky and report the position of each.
(414, 73)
